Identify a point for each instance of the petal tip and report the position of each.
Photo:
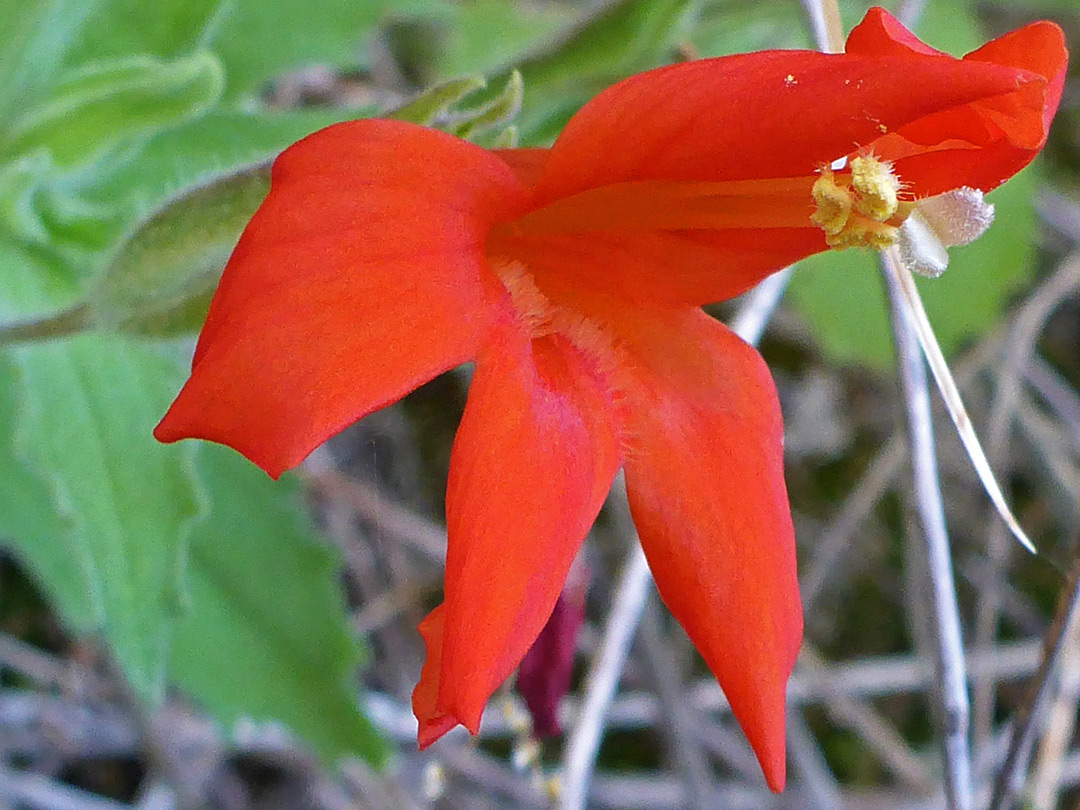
(174, 427)
(166, 432)
(765, 728)
(432, 729)
(776, 775)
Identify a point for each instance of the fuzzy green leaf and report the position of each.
(98, 106)
(30, 526)
(488, 35)
(434, 103)
(85, 411)
(37, 38)
(255, 40)
(267, 637)
(497, 113)
(174, 258)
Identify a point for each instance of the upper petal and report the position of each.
(704, 473)
(880, 33)
(532, 462)
(763, 115)
(983, 143)
(361, 276)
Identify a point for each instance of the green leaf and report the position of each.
(258, 40)
(840, 294)
(166, 28)
(98, 106)
(255, 40)
(85, 412)
(486, 35)
(37, 36)
(497, 113)
(619, 39)
(736, 26)
(30, 525)
(434, 103)
(20, 182)
(267, 636)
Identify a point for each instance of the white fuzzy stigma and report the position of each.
(956, 217)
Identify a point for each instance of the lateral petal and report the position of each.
(704, 473)
(361, 277)
(532, 462)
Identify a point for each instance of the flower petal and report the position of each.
(760, 115)
(982, 144)
(526, 163)
(361, 277)
(1039, 48)
(433, 723)
(690, 267)
(881, 34)
(533, 460)
(704, 473)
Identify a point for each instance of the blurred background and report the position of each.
(177, 631)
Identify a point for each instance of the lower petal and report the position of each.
(704, 473)
(532, 463)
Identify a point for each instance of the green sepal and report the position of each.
(160, 280)
(496, 113)
(433, 104)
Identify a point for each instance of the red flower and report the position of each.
(387, 253)
(545, 672)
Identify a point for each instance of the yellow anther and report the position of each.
(862, 209)
(864, 234)
(833, 203)
(875, 186)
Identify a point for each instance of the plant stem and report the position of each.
(825, 24)
(931, 513)
(1066, 616)
(61, 324)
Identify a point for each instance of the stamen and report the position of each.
(833, 203)
(862, 209)
(876, 187)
